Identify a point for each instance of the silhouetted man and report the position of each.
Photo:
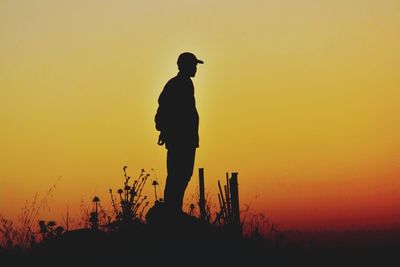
(178, 122)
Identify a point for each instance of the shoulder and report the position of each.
(170, 85)
(168, 89)
(172, 82)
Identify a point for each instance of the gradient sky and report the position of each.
(302, 98)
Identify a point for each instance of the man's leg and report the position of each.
(186, 172)
(180, 163)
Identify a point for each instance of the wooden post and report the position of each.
(202, 198)
(235, 200)
(223, 202)
(228, 197)
(221, 205)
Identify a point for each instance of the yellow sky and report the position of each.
(300, 97)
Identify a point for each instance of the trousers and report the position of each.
(180, 163)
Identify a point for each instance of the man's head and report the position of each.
(187, 63)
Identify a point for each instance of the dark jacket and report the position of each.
(177, 118)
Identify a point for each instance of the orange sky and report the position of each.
(300, 97)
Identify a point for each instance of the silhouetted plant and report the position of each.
(192, 208)
(256, 225)
(66, 220)
(48, 230)
(132, 202)
(21, 234)
(155, 184)
(210, 206)
(84, 221)
(94, 215)
(8, 233)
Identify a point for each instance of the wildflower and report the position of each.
(43, 227)
(155, 183)
(59, 230)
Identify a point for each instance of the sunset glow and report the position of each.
(301, 98)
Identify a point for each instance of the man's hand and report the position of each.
(160, 140)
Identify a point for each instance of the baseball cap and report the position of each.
(188, 57)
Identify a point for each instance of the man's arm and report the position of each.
(163, 109)
(163, 115)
